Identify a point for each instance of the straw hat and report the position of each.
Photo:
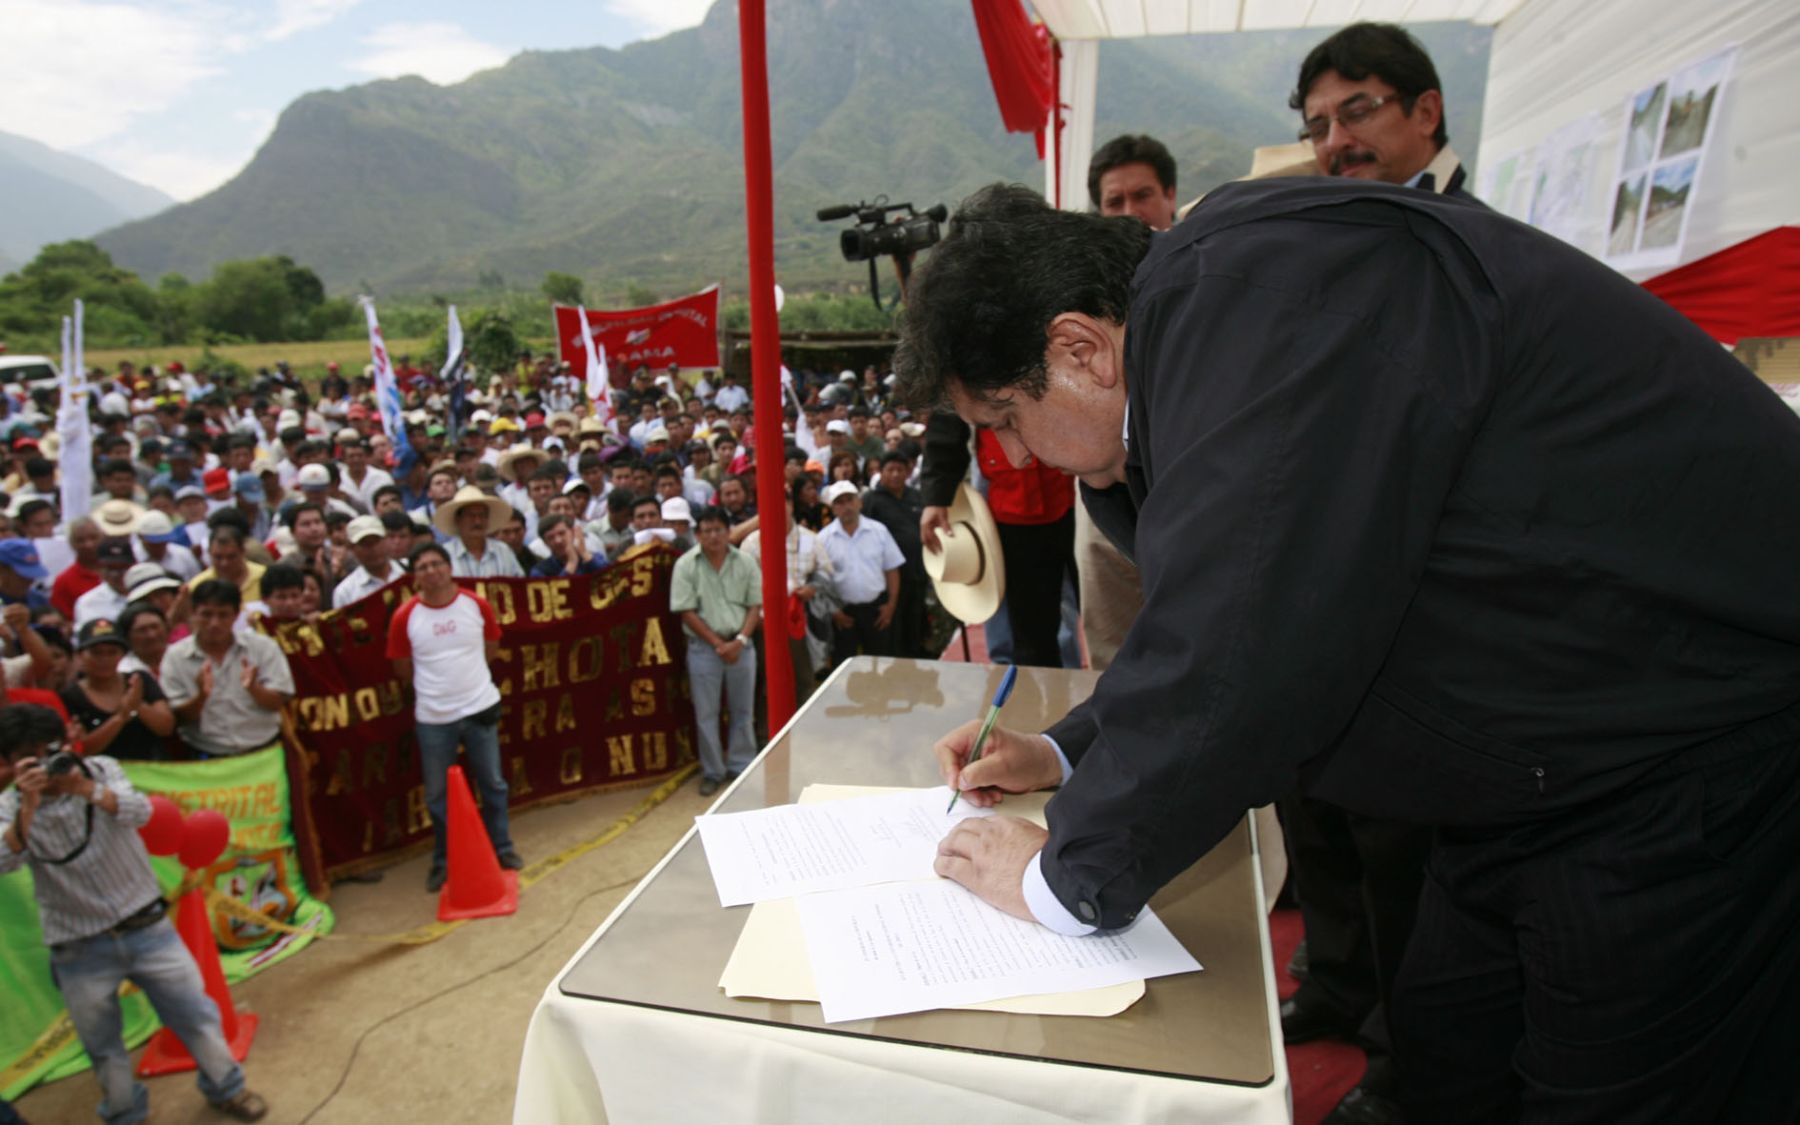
(508, 464)
(1269, 162)
(118, 517)
(499, 511)
(968, 573)
(563, 418)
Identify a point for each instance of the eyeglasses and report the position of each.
(1352, 113)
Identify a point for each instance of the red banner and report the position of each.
(683, 331)
(592, 675)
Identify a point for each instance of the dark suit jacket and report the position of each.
(1437, 516)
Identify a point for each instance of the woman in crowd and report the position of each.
(842, 466)
(809, 512)
(146, 633)
(59, 671)
(123, 715)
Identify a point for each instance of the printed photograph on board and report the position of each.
(1663, 214)
(1646, 115)
(1628, 204)
(1692, 94)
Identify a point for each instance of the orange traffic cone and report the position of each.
(166, 1054)
(477, 887)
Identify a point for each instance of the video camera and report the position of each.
(879, 231)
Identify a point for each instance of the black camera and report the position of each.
(61, 762)
(880, 232)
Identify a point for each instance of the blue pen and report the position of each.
(987, 724)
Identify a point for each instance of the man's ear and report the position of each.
(1090, 344)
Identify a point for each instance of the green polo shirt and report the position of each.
(721, 597)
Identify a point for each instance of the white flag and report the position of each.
(76, 467)
(453, 358)
(599, 380)
(387, 388)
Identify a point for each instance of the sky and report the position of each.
(179, 94)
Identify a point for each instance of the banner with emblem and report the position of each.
(258, 869)
(593, 680)
(684, 331)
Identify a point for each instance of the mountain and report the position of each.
(52, 196)
(624, 166)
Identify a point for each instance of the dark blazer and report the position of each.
(1437, 516)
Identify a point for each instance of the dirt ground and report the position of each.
(356, 1033)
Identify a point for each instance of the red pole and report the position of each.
(765, 360)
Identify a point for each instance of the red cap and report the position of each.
(332, 366)
(357, 412)
(534, 419)
(216, 480)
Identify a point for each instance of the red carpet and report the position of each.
(1321, 1072)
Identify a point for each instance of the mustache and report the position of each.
(1349, 159)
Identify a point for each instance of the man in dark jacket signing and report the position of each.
(1440, 520)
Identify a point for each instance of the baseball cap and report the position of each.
(156, 527)
(348, 433)
(841, 488)
(575, 483)
(288, 419)
(675, 508)
(315, 476)
(534, 420)
(216, 480)
(356, 412)
(249, 486)
(147, 578)
(364, 526)
(180, 451)
(115, 551)
(837, 426)
(100, 631)
(187, 491)
(19, 556)
(658, 433)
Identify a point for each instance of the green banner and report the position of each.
(37, 1042)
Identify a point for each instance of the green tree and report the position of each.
(263, 299)
(563, 288)
(121, 308)
(638, 296)
(491, 342)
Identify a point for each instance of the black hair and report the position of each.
(39, 467)
(385, 490)
(1130, 148)
(116, 465)
(28, 726)
(1380, 50)
(860, 412)
(711, 513)
(292, 434)
(550, 473)
(292, 516)
(281, 577)
(134, 611)
(337, 517)
(31, 508)
(423, 549)
(620, 500)
(224, 533)
(54, 637)
(397, 521)
(233, 518)
(642, 500)
(795, 453)
(979, 311)
(589, 460)
(217, 591)
(895, 457)
(669, 470)
(551, 523)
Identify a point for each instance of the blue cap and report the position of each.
(408, 462)
(249, 486)
(21, 558)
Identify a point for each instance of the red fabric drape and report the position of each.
(1020, 64)
(1748, 290)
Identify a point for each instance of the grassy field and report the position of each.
(309, 357)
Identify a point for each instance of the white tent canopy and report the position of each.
(1126, 19)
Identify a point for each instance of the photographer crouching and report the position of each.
(75, 821)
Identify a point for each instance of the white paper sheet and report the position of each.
(801, 849)
(908, 947)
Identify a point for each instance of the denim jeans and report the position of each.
(481, 746)
(710, 678)
(89, 971)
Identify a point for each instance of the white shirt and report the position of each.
(373, 479)
(359, 584)
(101, 602)
(861, 559)
(730, 397)
(804, 556)
(178, 560)
(448, 648)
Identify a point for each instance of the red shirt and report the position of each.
(1033, 495)
(69, 585)
(41, 696)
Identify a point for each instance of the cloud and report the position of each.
(658, 17)
(183, 175)
(294, 16)
(438, 52)
(70, 88)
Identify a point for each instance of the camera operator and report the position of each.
(75, 821)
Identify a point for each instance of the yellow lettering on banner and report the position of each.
(520, 785)
(643, 697)
(375, 763)
(654, 650)
(265, 800)
(549, 601)
(618, 749)
(540, 665)
(643, 576)
(417, 817)
(656, 750)
(325, 712)
(581, 672)
(570, 773)
(614, 708)
(368, 704)
(343, 776)
(565, 713)
(537, 715)
(605, 591)
(501, 598)
(311, 642)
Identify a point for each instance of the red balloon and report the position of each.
(204, 837)
(162, 832)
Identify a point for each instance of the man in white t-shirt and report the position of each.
(443, 640)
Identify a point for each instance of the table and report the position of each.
(635, 1029)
